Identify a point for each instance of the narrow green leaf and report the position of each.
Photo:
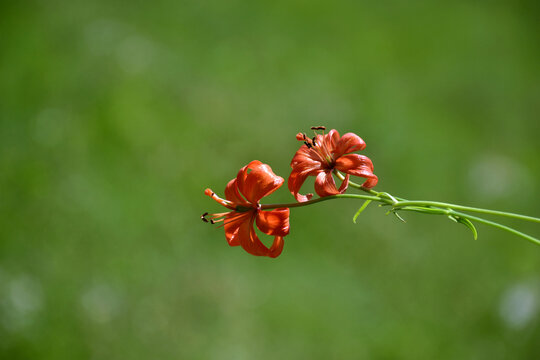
(425, 210)
(362, 208)
(468, 224)
(398, 216)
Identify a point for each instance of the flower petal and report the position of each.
(243, 172)
(257, 180)
(306, 159)
(331, 140)
(295, 181)
(344, 184)
(252, 244)
(358, 165)
(371, 181)
(276, 248)
(232, 225)
(274, 222)
(353, 162)
(232, 193)
(325, 184)
(348, 143)
(239, 231)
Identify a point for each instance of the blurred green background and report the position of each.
(115, 116)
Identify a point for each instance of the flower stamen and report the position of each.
(231, 220)
(228, 204)
(203, 217)
(217, 217)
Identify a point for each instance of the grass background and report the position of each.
(115, 116)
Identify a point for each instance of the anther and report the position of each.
(307, 144)
(314, 142)
(318, 128)
(203, 217)
(212, 222)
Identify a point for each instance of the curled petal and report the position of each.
(257, 180)
(239, 231)
(235, 225)
(295, 181)
(371, 181)
(306, 159)
(232, 193)
(348, 143)
(325, 184)
(344, 184)
(352, 162)
(253, 245)
(274, 222)
(276, 248)
(331, 139)
(358, 165)
(243, 172)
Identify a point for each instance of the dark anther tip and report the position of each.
(318, 128)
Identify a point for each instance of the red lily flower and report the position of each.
(242, 194)
(322, 155)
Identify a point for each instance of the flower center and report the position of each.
(225, 217)
(318, 145)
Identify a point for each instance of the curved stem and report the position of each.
(355, 185)
(400, 204)
(314, 201)
(429, 207)
(403, 202)
(360, 187)
(499, 226)
(436, 211)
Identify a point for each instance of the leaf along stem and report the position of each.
(426, 207)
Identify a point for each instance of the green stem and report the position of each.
(314, 201)
(451, 212)
(360, 187)
(403, 202)
(465, 208)
(499, 226)
(355, 185)
(429, 207)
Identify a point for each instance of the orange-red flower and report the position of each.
(324, 153)
(242, 195)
